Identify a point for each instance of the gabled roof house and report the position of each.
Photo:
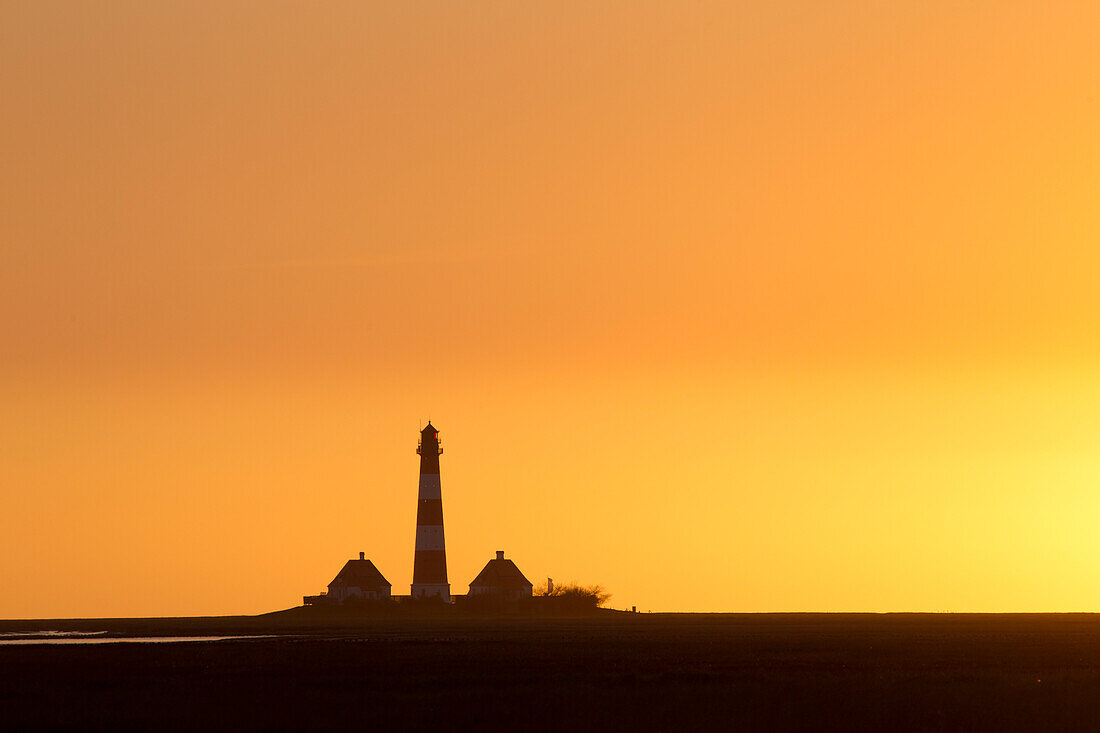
(500, 577)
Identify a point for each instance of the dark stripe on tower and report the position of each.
(429, 456)
(430, 567)
(429, 512)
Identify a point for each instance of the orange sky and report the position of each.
(726, 306)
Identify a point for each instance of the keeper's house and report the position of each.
(358, 579)
(501, 578)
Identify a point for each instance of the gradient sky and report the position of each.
(755, 305)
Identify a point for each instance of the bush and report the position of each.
(573, 595)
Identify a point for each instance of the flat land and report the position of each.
(613, 671)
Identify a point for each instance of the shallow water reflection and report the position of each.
(100, 637)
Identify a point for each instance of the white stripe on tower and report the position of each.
(429, 538)
(430, 559)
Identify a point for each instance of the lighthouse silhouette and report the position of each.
(430, 560)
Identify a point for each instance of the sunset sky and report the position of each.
(745, 305)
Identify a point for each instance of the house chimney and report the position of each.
(361, 555)
(500, 554)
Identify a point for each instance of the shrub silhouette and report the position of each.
(572, 595)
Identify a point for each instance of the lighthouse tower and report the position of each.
(430, 561)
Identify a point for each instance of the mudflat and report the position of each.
(610, 671)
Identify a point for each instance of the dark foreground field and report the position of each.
(612, 672)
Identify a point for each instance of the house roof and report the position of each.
(360, 574)
(500, 573)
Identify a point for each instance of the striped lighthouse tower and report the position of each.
(430, 561)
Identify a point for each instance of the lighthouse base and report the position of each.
(432, 590)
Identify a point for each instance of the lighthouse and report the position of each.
(430, 560)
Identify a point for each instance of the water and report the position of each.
(13, 638)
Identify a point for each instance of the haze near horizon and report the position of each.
(752, 306)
